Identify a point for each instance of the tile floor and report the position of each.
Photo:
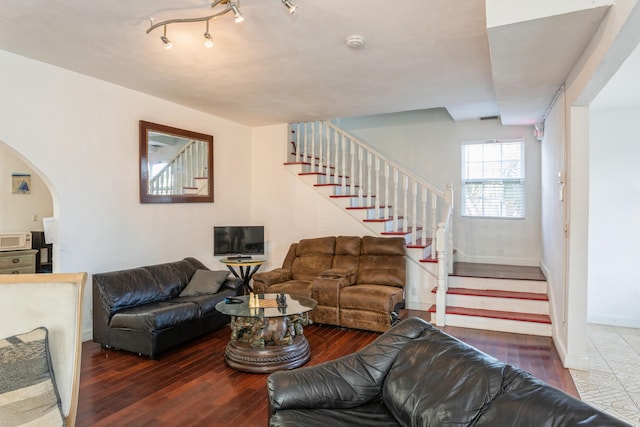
(613, 380)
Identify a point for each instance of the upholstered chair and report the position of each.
(304, 261)
(379, 286)
(41, 337)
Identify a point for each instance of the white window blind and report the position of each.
(493, 179)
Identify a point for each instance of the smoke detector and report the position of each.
(355, 41)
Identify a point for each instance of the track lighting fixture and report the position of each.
(226, 5)
(236, 12)
(208, 41)
(292, 7)
(165, 40)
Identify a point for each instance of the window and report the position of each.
(493, 179)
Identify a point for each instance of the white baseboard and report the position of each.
(418, 305)
(613, 321)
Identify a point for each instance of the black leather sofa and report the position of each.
(140, 309)
(417, 375)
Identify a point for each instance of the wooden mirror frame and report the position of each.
(145, 197)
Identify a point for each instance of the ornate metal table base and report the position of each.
(263, 345)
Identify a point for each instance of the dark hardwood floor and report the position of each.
(191, 385)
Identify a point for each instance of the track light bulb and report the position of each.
(208, 41)
(236, 12)
(166, 42)
(292, 7)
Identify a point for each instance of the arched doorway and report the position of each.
(25, 200)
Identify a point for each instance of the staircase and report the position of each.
(498, 298)
(391, 201)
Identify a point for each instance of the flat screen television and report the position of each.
(238, 241)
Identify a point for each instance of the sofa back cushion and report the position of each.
(382, 261)
(127, 288)
(173, 277)
(313, 256)
(144, 285)
(438, 380)
(347, 253)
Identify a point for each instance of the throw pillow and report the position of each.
(28, 393)
(205, 282)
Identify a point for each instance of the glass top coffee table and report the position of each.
(270, 337)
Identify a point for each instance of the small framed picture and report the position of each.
(21, 183)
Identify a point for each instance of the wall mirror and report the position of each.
(176, 165)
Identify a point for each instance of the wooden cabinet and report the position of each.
(18, 262)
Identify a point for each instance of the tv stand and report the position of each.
(246, 266)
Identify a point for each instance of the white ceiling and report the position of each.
(276, 67)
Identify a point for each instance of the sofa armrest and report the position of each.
(341, 383)
(346, 382)
(235, 284)
(326, 290)
(339, 273)
(265, 279)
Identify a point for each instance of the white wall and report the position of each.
(614, 210)
(18, 210)
(82, 134)
(553, 254)
(427, 143)
(615, 39)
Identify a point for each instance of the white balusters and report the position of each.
(405, 205)
(368, 187)
(395, 199)
(320, 147)
(352, 173)
(386, 191)
(360, 177)
(434, 212)
(414, 216)
(343, 171)
(377, 183)
(304, 152)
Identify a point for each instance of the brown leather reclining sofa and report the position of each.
(358, 282)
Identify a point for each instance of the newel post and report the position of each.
(443, 274)
(448, 201)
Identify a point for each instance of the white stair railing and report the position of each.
(179, 174)
(411, 205)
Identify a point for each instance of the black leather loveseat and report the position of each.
(416, 375)
(142, 309)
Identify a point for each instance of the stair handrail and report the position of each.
(360, 171)
(399, 167)
(413, 215)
